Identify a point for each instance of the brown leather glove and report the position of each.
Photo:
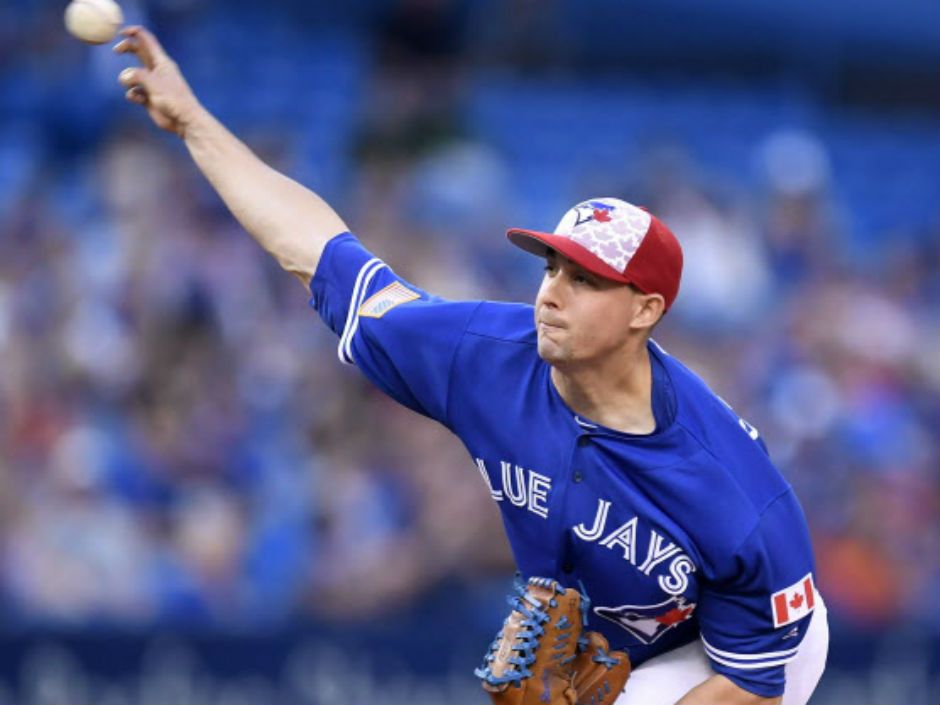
(540, 656)
(599, 674)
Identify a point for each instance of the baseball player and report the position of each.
(615, 468)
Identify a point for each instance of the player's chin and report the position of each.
(550, 351)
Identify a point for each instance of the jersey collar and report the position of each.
(663, 399)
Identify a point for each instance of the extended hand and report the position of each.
(158, 84)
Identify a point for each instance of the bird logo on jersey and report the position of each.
(649, 622)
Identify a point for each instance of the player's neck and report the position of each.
(616, 393)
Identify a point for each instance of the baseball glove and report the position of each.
(541, 657)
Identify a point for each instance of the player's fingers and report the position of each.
(136, 94)
(146, 46)
(131, 77)
(126, 46)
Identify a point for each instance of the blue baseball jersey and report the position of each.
(686, 533)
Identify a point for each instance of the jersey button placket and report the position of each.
(583, 440)
(577, 476)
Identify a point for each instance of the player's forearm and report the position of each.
(289, 221)
(719, 689)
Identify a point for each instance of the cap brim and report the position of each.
(538, 243)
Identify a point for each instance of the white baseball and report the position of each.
(93, 21)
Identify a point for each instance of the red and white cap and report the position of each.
(614, 240)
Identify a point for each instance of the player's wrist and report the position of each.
(195, 122)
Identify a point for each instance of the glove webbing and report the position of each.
(527, 640)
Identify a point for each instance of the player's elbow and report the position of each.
(303, 272)
(294, 258)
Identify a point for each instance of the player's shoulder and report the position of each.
(347, 264)
(706, 416)
(511, 323)
(483, 324)
(732, 451)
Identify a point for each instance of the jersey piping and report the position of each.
(360, 289)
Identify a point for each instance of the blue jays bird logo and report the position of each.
(592, 210)
(649, 622)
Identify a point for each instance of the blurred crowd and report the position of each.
(179, 444)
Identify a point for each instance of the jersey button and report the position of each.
(567, 567)
(583, 440)
(577, 477)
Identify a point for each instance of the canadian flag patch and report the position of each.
(793, 603)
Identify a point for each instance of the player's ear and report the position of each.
(648, 310)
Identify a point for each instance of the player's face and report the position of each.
(579, 316)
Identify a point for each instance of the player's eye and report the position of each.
(583, 279)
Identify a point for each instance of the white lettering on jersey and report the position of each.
(748, 429)
(497, 495)
(656, 554)
(517, 495)
(539, 485)
(659, 549)
(600, 520)
(523, 488)
(678, 579)
(625, 537)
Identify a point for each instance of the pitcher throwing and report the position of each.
(617, 471)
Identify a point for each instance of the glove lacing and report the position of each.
(602, 656)
(527, 639)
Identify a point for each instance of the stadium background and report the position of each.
(199, 505)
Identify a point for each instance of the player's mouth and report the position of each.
(550, 324)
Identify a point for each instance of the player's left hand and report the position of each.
(541, 656)
(599, 673)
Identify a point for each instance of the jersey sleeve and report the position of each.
(753, 620)
(403, 339)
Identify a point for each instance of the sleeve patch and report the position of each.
(793, 603)
(383, 301)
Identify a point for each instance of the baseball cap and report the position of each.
(614, 240)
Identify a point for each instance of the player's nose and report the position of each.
(550, 293)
